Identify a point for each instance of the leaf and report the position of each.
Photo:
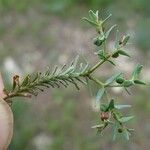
(113, 78)
(117, 40)
(55, 70)
(115, 132)
(128, 92)
(26, 80)
(139, 82)
(84, 69)
(110, 61)
(125, 40)
(36, 76)
(108, 32)
(126, 134)
(101, 54)
(122, 106)
(93, 16)
(76, 61)
(136, 71)
(121, 52)
(90, 21)
(117, 114)
(111, 105)
(103, 107)
(107, 18)
(100, 94)
(97, 12)
(98, 126)
(81, 80)
(125, 119)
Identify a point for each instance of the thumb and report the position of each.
(1, 87)
(6, 120)
(6, 125)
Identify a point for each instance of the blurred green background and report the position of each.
(40, 33)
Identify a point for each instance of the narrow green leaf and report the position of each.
(115, 132)
(107, 18)
(125, 40)
(93, 15)
(110, 61)
(126, 134)
(111, 105)
(104, 107)
(98, 126)
(101, 54)
(113, 78)
(136, 71)
(55, 70)
(81, 80)
(76, 61)
(121, 52)
(100, 94)
(108, 32)
(117, 114)
(125, 119)
(127, 91)
(84, 69)
(26, 80)
(68, 70)
(90, 21)
(117, 40)
(36, 76)
(139, 82)
(97, 13)
(130, 130)
(122, 106)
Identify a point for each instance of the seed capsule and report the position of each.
(104, 116)
(15, 81)
(99, 40)
(115, 55)
(120, 80)
(120, 130)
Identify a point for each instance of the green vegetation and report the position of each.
(75, 72)
(27, 28)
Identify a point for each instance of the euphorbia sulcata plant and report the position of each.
(76, 73)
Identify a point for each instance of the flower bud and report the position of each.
(120, 130)
(119, 80)
(115, 55)
(99, 40)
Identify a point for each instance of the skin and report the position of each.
(6, 120)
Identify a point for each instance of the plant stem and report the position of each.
(96, 66)
(114, 86)
(96, 81)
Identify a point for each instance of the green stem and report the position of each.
(96, 66)
(96, 81)
(114, 86)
